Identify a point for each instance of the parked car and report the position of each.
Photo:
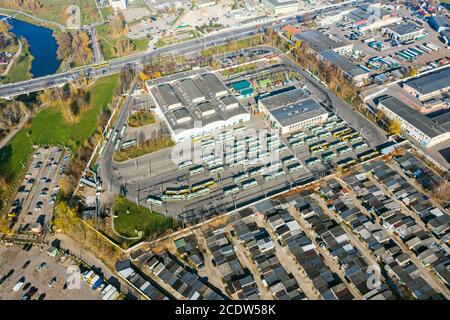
(41, 266)
(26, 264)
(52, 282)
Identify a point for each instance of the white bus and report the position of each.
(196, 170)
(233, 189)
(154, 200)
(122, 131)
(249, 183)
(240, 176)
(184, 164)
(294, 167)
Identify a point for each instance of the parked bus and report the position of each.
(368, 156)
(122, 131)
(249, 183)
(294, 167)
(208, 183)
(346, 163)
(288, 159)
(184, 164)
(229, 190)
(154, 200)
(312, 161)
(196, 170)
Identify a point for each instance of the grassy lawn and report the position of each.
(145, 147)
(132, 217)
(108, 42)
(233, 46)
(231, 71)
(20, 71)
(141, 118)
(49, 127)
(56, 10)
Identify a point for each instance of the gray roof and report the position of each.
(190, 89)
(431, 82)
(319, 42)
(213, 83)
(343, 63)
(298, 111)
(403, 28)
(282, 3)
(283, 98)
(412, 116)
(441, 21)
(165, 95)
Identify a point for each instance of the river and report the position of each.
(42, 46)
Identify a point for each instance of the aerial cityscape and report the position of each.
(223, 150)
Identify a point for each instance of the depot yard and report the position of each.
(15, 258)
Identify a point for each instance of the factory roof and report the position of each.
(412, 116)
(282, 3)
(343, 63)
(320, 42)
(431, 82)
(403, 28)
(190, 89)
(297, 112)
(283, 98)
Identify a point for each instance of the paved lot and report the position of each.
(39, 188)
(15, 257)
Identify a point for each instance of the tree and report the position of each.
(442, 190)
(394, 127)
(379, 115)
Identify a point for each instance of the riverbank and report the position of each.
(20, 69)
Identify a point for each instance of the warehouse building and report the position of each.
(319, 42)
(403, 31)
(370, 17)
(430, 85)
(331, 49)
(194, 107)
(439, 23)
(288, 114)
(281, 6)
(427, 132)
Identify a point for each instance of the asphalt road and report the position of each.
(115, 65)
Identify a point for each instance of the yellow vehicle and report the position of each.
(100, 65)
(349, 136)
(209, 183)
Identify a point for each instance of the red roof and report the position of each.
(291, 29)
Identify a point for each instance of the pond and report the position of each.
(42, 46)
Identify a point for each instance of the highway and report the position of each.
(10, 90)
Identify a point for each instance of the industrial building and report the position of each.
(281, 6)
(193, 107)
(370, 17)
(331, 49)
(426, 131)
(319, 42)
(430, 85)
(403, 31)
(290, 111)
(439, 23)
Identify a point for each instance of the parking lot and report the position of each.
(51, 271)
(37, 193)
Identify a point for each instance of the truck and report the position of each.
(87, 275)
(93, 280)
(97, 284)
(108, 294)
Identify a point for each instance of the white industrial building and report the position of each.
(290, 111)
(194, 107)
(423, 129)
(281, 6)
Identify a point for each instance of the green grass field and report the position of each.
(49, 127)
(20, 71)
(56, 11)
(139, 218)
